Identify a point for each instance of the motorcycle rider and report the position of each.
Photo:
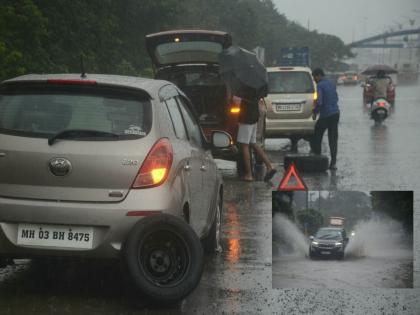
(380, 85)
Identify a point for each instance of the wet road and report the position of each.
(239, 280)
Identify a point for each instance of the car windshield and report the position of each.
(328, 234)
(290, 82)
(45, 110)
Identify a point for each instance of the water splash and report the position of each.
(379, 237)
(287, 238)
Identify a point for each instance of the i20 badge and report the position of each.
(59, 166)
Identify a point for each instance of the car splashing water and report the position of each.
(379, 237)
(287, 238)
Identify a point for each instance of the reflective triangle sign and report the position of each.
(292, 180)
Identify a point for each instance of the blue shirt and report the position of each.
(327, 102)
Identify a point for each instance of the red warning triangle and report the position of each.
(292, 175)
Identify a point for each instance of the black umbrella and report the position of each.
(373, 70)
(243, 72)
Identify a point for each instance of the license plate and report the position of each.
(288, 107)
(55, 236)
(380, 111)
(325, 252)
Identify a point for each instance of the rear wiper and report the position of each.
(80, 133)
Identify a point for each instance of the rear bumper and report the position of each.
(284, 128)
(109, 221)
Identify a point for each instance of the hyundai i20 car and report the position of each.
(106, 166)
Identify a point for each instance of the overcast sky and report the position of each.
(351, 19)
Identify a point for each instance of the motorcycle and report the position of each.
(379, 110)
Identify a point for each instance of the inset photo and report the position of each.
(342, 239)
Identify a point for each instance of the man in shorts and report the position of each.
(247, 137)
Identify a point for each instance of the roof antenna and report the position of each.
(82, 66)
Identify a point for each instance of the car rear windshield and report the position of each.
(42, 110)
(290, 82)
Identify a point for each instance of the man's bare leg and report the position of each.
(247, 162)
(260, 152)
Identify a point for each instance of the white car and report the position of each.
(290, 101)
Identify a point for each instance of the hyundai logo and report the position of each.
(59, 166)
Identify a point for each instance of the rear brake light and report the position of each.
(235, 110)
(315, 95)
(71, 82)
(381, 104)
(156, 166)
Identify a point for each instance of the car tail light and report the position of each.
(235, 109)
(71, 82)
(156, 166)
(315, 95)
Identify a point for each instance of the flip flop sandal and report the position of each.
(270, 175)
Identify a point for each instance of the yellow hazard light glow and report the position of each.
(176, 39)
(235, 110)
(315, 96)
(158, 174)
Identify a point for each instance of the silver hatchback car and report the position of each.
(107, 166)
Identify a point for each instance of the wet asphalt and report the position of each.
(239, 279)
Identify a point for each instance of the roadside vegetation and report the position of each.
(39, 36)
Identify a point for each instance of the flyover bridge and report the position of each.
(373, 41)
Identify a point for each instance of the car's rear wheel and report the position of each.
(164, 258)
(211, 243)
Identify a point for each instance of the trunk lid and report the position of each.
(186, 47)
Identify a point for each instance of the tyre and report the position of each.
(164, 258)
(340, 256)
(307, 162)
(211, 243)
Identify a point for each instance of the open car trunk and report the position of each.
(204, 87)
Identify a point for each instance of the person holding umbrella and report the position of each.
(247, 136)
(247, 78)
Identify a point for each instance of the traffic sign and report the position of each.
(292, 180)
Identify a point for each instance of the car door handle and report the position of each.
(187, 167)
(203, 168)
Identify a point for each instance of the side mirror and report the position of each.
(311, 238)
(221, 139)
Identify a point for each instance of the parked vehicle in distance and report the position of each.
(290, 102)
(109, 167)
(329, 242)
(348, 78)
(190, 59)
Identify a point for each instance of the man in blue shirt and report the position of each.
(329, 115)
